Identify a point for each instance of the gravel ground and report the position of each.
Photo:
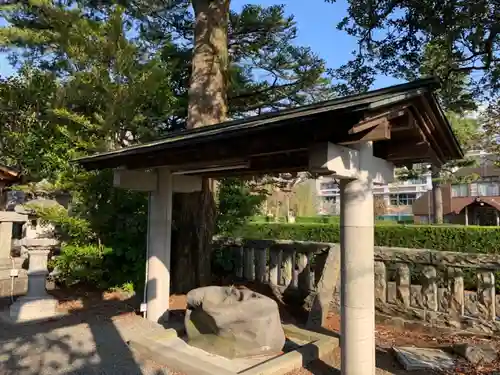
(91, 340)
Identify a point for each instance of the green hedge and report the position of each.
(446, 238)
(299, 219)
(317, 219)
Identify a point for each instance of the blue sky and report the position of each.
(316, 22)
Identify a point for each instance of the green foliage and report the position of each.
(446, 238)
(236, 204)
(69, 228)
(82, 264)
(456, 40)
(317, 219)
(95, 76)
(119, 219)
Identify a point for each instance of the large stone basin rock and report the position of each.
(233, 322)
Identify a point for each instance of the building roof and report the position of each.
(405, 122)
(424, 205)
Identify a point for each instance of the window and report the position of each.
(405, 199)
(418, 181)
(483, 189)
(459, 190)
(394, 199)
(328, 185)
(488, 189)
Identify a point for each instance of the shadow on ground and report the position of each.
(86, 341)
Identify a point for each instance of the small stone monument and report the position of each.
(233, 323)
(37, 304)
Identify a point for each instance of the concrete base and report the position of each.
(172, 351)
(30, 309)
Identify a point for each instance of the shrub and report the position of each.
(317, 219)
(236, 205)
(81, 264)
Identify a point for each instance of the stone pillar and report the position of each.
(159, 244)
(249, 271)
(5, 239)
(403, 284)
(466, 213)
(274, 266)
(304, 268)
(260, 265)
(7, 218)
(37, 304)
(429, 288)
(325, 290)
(486, 294)
(456, 303)
(497, 217)
(240, 262)
(380, 282)
(295, 272)
(287, 268)
(357, 270)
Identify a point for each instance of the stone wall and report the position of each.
(13, 286)
(413, 284)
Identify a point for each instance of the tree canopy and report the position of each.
(457, 40)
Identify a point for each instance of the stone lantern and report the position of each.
(37, 304)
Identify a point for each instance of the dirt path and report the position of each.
(93, 340)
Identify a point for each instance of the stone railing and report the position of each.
(414, 284)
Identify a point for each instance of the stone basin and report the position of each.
(171, 349)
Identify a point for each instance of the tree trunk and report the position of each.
(207, 89)
(437, 197)
(194, 213)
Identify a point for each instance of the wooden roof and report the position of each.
(405, 122)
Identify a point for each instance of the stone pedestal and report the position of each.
(37, 304)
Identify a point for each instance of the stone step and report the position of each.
(174, 353)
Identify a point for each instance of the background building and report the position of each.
(398, 196)
(473, 203)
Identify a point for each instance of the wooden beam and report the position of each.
(374, 120)
(373, 130)
(415, 150)
(135, 180)
(249, 146)
(431, 117)
(428, 138)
